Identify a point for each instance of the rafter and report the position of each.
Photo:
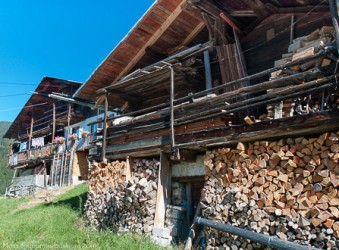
(151, 41)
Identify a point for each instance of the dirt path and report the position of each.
(44, 196)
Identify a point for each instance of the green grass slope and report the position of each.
(58, 225)
(5, 173)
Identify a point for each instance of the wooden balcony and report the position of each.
(32, 154)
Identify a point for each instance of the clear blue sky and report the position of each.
(62, 38)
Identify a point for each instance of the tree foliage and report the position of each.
(5, 173)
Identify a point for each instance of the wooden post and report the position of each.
(30, 137)
(70, 168)
(172, 108)
(53, 128)
(14, 174)
(278, 107)
(103, 153)
(69, 117)
(334, 13)
(30, 134)
(51, 174)
(45, 179)
(208, 74)
(189, 202)
(129, 163)
(163, 193)
(175, 151)
(334, 8)
(9, 154)
(241, 57)
(61, 169)
(292, 29)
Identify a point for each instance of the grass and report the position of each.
(58, 225)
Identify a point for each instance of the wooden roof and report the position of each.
(163, 27)
(38, 105)
(173, 24)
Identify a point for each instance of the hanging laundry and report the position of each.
(38, 142)
(79, 132)
(23, 146)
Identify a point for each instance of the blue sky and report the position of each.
(62, 38)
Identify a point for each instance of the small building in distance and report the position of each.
(50, 139)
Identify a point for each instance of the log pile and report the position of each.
(119, 204)
(300, 48)
(286, 188)
(103, 177)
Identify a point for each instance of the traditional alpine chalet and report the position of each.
(50, 139)
(225, 111)
(228, 111)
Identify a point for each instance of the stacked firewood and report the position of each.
(300, 48)
(123, 203)
(105, 176)
(286, 188)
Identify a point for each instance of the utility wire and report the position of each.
(38, 104)
(18, 83)
(14, 95)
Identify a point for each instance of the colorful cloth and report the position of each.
(38, 142)
(23, 146)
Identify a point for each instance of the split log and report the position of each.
(119, 204)
(283, 188)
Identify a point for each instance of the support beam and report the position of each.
(164, 189)
(30, 134)
(129, 164)
(172, 108)
(241, 57)
(193, 34)
(292, 29)
(333, 8)
(211, 9)
(103, 153)
(230, 22)
(9, 153)
(208, 73)
(45, 174)
(335, 18)
(53, 128)
(69, 115)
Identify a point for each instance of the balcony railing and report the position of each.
(50, 149)
(79, 143)
(33, 153)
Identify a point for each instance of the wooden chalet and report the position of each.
(196, 76)
(226, 110)
(185, 74)
(193, 77)
(44, 151)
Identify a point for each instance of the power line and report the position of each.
(38, 104)
(14, 95)
(18, 83)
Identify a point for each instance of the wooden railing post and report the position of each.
(53, 128)
(30, 138)
(103, 153)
